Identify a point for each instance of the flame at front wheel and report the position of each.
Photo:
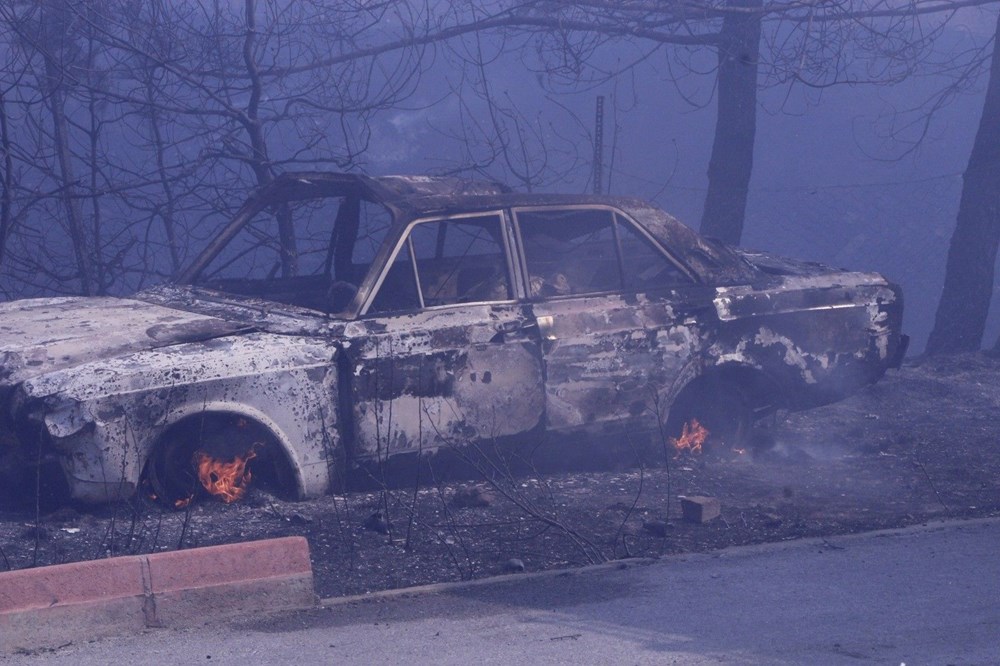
(226, 480)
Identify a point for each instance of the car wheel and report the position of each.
(172, 475)
(717, 405)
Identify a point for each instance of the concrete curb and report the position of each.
(628, 563)
(456, 585)
(50, 606)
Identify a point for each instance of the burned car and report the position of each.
(340, 322)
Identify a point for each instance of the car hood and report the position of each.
(42, 335)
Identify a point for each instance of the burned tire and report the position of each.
(171, 476)
(719, 406)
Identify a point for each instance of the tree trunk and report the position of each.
(736, 123)
(260, 161)
(6, 182)
(102, 271)
(167, 209)
(67, 174)
(968, 279)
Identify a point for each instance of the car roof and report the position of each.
(413, 196)
(422, 195)
(419, 196)
(380, 189)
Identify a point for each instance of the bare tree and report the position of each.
(6, 180)
(969, 275)
(49, 32)
(173, 110)
(745, 45)
(176, 109)
(731, 163)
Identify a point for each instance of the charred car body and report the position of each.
(340, 321)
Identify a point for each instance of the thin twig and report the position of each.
(635, 500)
(931, 482)
(416, 478)
(38, 500)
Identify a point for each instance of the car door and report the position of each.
(443, 353)
(618, 317)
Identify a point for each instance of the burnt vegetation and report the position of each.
(915, 447)
(129, 129)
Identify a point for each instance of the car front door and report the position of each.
(618, 317)
(443, 353)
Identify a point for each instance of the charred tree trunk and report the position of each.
(736, 123)
(968, 280)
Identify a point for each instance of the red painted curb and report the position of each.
(55, 605)
(66, 584)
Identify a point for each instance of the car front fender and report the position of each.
(104, 419)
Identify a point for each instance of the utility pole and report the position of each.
(599, 147)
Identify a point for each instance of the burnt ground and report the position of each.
(921, 444)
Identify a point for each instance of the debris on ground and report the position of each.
(930, 454)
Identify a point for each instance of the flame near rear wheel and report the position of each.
(691, 439)
(712, 415)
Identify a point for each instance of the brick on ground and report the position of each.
(700, 509)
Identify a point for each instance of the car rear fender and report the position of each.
(820, 337)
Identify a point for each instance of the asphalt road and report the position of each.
(927, 595)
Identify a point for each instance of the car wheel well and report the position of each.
(726, 400)
(762, 393)
(170, 475)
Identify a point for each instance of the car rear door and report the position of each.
(618, 318)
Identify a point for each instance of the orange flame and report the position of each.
(180, 503)
(226, 480)
(693, 435)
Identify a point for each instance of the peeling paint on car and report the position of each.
(793, 355)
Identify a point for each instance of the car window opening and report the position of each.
(582, 251)
(311, 254)
(459, 260)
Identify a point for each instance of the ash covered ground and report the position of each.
(921, 444)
